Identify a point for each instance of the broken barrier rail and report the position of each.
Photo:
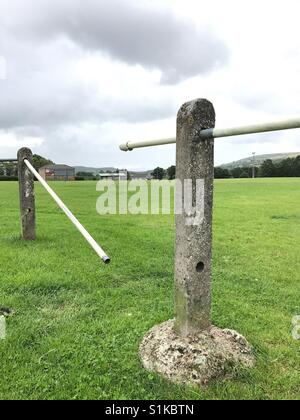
(27, 203)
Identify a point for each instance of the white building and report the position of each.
(118, 176)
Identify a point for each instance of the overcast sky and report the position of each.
(78, 77)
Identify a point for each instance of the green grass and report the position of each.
(77, 324)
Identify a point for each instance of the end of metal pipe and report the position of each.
(207, 134)
(106, 259)
(124, 147)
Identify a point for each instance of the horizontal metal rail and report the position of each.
(69, 214)
(219, 133)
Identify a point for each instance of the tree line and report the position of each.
(285, 168)
(9, 170)
(170, 173)
(289, 167)
(160, 173)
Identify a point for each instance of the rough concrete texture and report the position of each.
(27, 197)
(196, 359)
(193, 255)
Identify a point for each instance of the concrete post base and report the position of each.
(196, 359)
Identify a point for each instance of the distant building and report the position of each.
(57, 173)
(118, 176)
(141, 176)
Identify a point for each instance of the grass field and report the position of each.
(77, 324)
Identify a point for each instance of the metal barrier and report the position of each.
(27, 203)
(219, 133)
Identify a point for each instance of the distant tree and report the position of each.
(289, 167)
(40, 161)
(267, 169)
(1, 171)
(286, 167)
(221, 173)
(245, 174)
(296, 166)
(236, 172)
(158, 173)
(171, 172)
(86, 175)
(11, 169)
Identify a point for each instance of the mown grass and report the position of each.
(77, 324)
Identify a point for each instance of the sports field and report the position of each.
(76, 324)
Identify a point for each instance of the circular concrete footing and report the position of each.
(196, 359)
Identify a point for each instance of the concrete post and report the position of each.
(193, 255)
(190, 350)
(27, 197)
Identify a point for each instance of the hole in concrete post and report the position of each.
(200, 267)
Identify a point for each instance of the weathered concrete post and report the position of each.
(27, 196)
(190, 349)
(193, 255)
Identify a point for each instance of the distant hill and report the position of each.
(259, 159)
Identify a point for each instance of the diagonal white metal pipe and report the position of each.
(219, 133)
(97, 248)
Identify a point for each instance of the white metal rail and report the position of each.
(69, 214)
(219, 133)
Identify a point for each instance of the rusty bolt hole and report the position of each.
(200, 267)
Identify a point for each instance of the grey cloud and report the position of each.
(35, 104)
(42, 91)
(262, 138)
(43, 97)
(98, 146)
(132, 32)
(267, 100)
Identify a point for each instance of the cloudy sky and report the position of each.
(78, 77)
